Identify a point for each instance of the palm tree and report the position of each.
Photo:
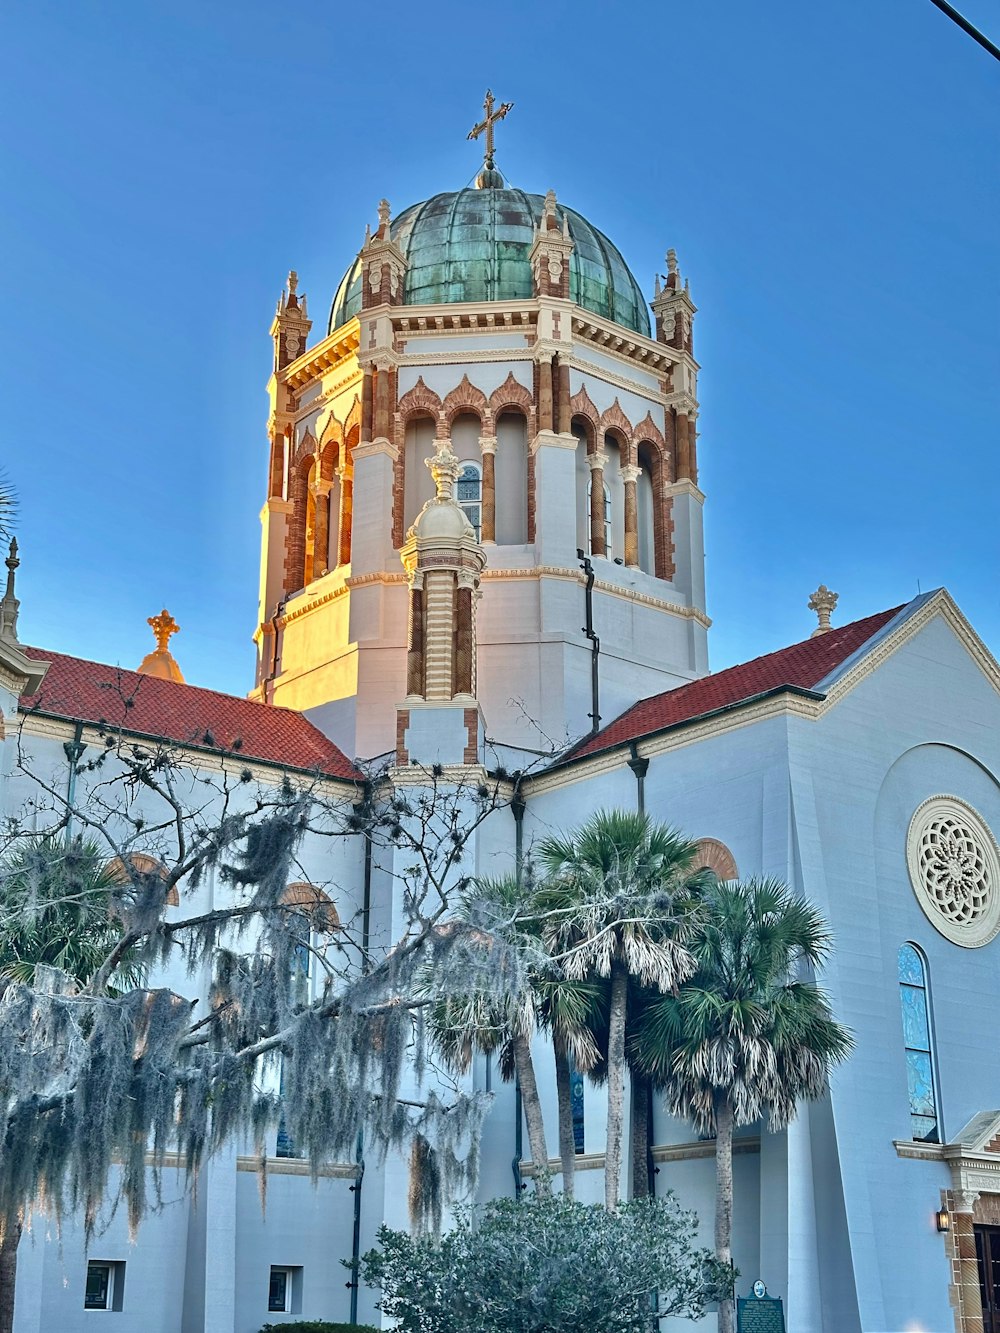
(504, 1023)
(56, 912)
(619, 898)
(744, 1037)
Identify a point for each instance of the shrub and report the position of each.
(318, 1326)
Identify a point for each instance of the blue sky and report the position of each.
(827, 174)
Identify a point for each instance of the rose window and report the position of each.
(955, 870)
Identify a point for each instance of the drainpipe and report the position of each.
(73, 750)
(639, 767)
(517, 808)
(595, 643)
(366, 916)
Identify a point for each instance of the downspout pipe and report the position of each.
(364, 809)
(640, 767)
(517, 809)
(73, 750)
(595, 643)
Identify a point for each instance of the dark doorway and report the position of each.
(988, 1254)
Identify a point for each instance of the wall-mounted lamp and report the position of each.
(943, 1219)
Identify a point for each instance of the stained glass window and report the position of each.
(917, 1042)
(470, 495)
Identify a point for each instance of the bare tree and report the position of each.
(100, 1079)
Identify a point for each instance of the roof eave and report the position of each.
(799, 691)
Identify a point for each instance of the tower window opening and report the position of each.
(917, 1041)
(470, 495)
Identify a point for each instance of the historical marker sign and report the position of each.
(760, 1313)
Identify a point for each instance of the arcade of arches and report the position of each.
(623, 475)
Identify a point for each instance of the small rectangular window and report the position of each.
(279, 1292)
(98, 1290)
(105, 1288)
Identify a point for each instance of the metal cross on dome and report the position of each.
(487, 123)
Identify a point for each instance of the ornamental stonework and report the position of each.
(954, 866)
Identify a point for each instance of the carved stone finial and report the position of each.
(163, 626)
(823, 602)
(9, 606)
(672, 261)
(161, 662)
(293, 282)
(444, 468)
(384, 216)
(549, 219)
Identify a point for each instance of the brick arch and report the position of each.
(331, 445)
(715, 856)
(313, 904)
(121, 870)
(647, 432)
(581, 405)
(615, 422)
(353, 419)
(420, 401)
(466, 397)
(305, 448)
(512, 396)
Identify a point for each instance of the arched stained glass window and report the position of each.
(470, 495)
(920, 1072)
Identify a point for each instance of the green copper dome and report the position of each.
(473, 245)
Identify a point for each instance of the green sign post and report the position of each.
(759, 1312)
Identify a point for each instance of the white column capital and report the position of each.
(630, 472)
(597, 461)
(488, 444)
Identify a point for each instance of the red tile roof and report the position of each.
(803, 665)
(147, 706)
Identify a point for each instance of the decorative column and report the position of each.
(630, 475)
(346, 475)
(488, 447)
(564, 413)
(367, 404)
(545, 419)
(961, 1249)
(596, 462)
(321, 526)
(682, 446)
(465, 642)
(415, 636)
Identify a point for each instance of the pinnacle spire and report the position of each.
(9, 605)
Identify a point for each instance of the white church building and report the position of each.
(482, 544)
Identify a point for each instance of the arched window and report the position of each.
(470, 495)
(607, 518)
(920, 1071)
(139, 865)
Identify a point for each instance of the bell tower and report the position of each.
(488, 354)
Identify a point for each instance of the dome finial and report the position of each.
(161, 662)
(489, 178)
